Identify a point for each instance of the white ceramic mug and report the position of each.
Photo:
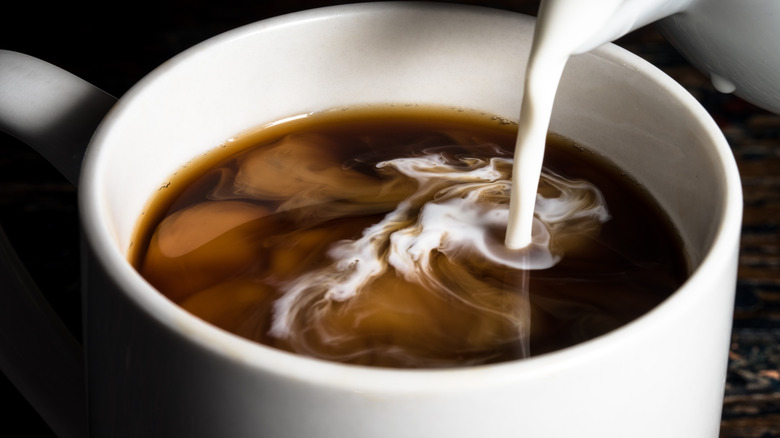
(155, 370)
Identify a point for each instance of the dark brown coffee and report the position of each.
(374, 236)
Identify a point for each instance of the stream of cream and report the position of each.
(562, 27)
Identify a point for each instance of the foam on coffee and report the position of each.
(380, 242)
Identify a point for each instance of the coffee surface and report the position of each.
(375, 236)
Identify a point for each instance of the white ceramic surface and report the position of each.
(154, 370)
(735, 43)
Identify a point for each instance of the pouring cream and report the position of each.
(563, 28)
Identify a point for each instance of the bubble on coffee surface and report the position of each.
(383, 255)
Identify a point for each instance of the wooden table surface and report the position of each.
(116, 44)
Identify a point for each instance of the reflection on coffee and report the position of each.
(375, 237)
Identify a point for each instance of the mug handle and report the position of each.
(56, 113)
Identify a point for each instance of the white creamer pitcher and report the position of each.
(736, 43)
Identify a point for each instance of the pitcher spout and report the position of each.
(593, 23)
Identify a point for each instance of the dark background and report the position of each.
(114, 44)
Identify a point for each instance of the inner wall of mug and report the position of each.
(640, 120)
(384, 55)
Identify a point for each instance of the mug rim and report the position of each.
(232, 347)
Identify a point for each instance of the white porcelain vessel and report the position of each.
(734, 43)
(154, 370)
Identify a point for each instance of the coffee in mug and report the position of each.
(375, 236)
